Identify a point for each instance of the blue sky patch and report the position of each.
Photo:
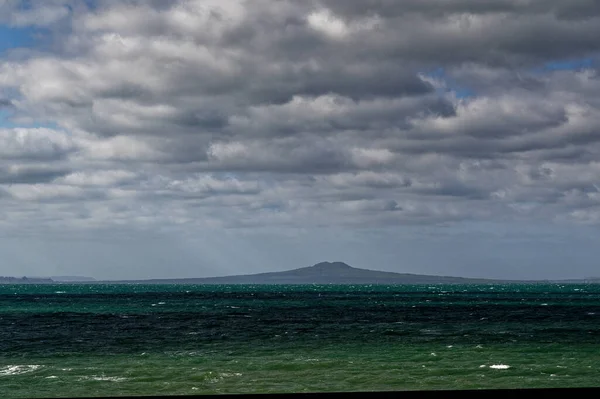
(4, 123)
(566, 65)
(11, 37)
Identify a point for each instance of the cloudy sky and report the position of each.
(144, 139)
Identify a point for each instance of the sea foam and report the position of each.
(496, 366)
(104, 378)
(18, 369)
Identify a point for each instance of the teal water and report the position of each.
(100, 340)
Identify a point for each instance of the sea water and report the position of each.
(102, 340)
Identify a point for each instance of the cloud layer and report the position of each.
(300, 114)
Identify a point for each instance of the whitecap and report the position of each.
(225, 375)
(161, 303)
(105, 378)
(433, 354)
(500, 366)
(51, 377)
(18, 369)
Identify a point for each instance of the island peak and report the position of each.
(332, 265)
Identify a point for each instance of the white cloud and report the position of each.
(118, 148)
(207, 184)
(45, 192)
(326, 22)
(34, 143)
(97, 178)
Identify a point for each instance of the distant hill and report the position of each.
(326, 273)
(321, 273)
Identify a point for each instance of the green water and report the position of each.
(99, 340)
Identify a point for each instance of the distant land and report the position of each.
(321, 273)
(46, 280)
(68, 279)
(25, 280)
(341, 273)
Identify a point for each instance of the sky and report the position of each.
(155, 139)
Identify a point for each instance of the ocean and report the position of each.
(74, 340)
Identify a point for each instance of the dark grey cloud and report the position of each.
(574, 9)
(33, 174)
(455, 189)
(5, 103)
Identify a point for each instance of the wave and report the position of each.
(18, 369)
(104, 378)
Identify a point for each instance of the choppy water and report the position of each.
(99, 340)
